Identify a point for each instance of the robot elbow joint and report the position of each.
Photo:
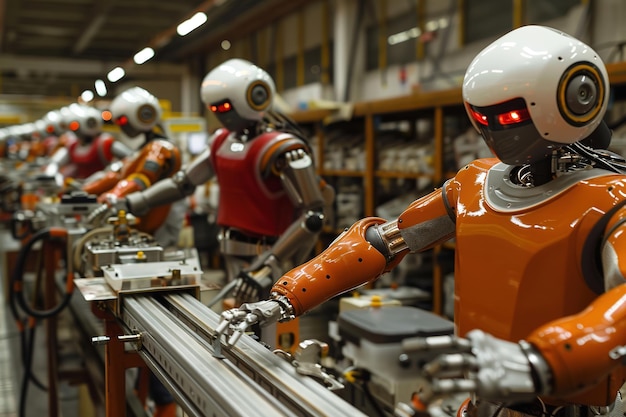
(314, 221)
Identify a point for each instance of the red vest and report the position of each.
(92, 157)
(252, 197)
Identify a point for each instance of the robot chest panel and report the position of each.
(85, 153)
(518, 269)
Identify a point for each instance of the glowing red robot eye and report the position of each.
(121, 121)
(513, 117)
(479, 117)
(221, 107)
(74, 125)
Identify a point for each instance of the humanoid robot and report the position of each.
(271, 202)
(84, 149)
(138, 112)
(539, 315)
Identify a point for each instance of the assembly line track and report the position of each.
(177, 344)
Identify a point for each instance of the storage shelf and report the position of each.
(341, 173)
(396, 174)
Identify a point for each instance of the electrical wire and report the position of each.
(601, 159)
(18, 276)
(17, 298)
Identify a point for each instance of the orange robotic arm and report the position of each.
(156, 160)
(368, 249)
(361, 254)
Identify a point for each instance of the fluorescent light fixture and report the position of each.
(192, 23)
(101, 88)
(87, 96)
(415, 32)
(116, 74)
(143, 55)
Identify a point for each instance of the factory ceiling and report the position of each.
(60, 47)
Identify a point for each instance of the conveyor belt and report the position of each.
(176, 344)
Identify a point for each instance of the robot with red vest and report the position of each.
(84, 149)
(540, 268)
(271, 201)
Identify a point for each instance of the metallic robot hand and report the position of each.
(237, 321)
(492, 368)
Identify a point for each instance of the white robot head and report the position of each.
(239, 93)
(55, 123)
(85, 121)
(136, 111)
(534, 90)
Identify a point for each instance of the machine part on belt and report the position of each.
(177, 336)
(306, 361)
(148, 275)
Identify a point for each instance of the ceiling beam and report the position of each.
(243, 25)
(85, 67)
(3, 7)
(99, 14)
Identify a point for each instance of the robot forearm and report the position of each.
(347, 263)
(163, 192)
(166, 191)
(58, 159)
(584, 348)
(120, 150)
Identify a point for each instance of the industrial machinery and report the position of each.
(153, 317)
(149, 303)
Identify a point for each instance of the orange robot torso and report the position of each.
(156, 160)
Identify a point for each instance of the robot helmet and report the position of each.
(136, 111)
(85, 121)
(55, 124)
(238, 92)
(535, 90)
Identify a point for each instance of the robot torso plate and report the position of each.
(518, 259)
(91, 157)
(250, 199)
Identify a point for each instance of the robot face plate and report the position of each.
(85, 121)
(510, 133)
(136, 111)
(248, 90)
(561, 81)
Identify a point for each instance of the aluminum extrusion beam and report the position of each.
(176, 343)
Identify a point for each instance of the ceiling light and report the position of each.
(192, 23)
(143, 55)
(116, 74)
(101, 88)
(87, 96)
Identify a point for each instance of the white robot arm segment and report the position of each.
(182, 184)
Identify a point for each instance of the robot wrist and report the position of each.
(386, 239)
(541, 373)
(286, 309)
(314, 221)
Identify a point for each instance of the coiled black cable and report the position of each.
(17, 298)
